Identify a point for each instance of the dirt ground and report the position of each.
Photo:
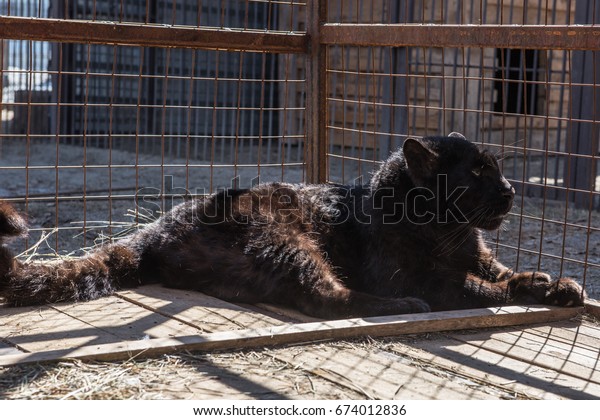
(534, 236)
(115, 183)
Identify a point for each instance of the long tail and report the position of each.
(99, 273)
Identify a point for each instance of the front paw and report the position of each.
(565, 292)
(530, 287)
(538, 287)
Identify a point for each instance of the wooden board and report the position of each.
(241, 378)
(375, 374)
(524, 379)
(6, 349)
(592, 307)
(379, 375)
(44, 328)
(290, 314)
(106, 320)
(125, 319)
(299, 333)
(202, 311)
(585, 335)
(543, 351)
(175, 320)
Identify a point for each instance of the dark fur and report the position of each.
(331, 251)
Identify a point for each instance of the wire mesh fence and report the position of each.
(86, 127)
(87, 124)
(536, 108)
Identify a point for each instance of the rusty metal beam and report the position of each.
(97, 32)
(458, 36)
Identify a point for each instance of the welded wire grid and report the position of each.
(96, 138)
(91, 132)
(536, 109)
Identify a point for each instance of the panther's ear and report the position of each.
(420, 158)
(457, 135)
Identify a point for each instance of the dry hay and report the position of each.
(239, 375)
(264, 374)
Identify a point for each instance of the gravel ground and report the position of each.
(535, 237)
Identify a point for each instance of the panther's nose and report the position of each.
(506, 189)
(508, 193)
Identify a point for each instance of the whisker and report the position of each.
(464, 238)
(448, 244)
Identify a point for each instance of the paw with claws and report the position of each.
(536, 287)
(564, 292)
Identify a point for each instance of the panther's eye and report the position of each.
(478, 171)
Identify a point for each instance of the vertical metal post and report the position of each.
(316, 94)
(395, 91)
(585, 111)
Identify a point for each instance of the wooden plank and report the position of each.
(256, 376)
(299, 333)
(380, 375)
(105, 320)
(586, 334)
(194, 308)
(126, 320)
(545, 352)
(44, 328)
(373, 374)
(6, 349)
(288, 312)
(522, 378)
(592, 307)
(366, 377)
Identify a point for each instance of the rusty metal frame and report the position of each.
(166, 36)
(316, 94)
(561, 37)
(313, 44)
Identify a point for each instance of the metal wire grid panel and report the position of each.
(92, 132)
(536, 108)
(88, 125)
